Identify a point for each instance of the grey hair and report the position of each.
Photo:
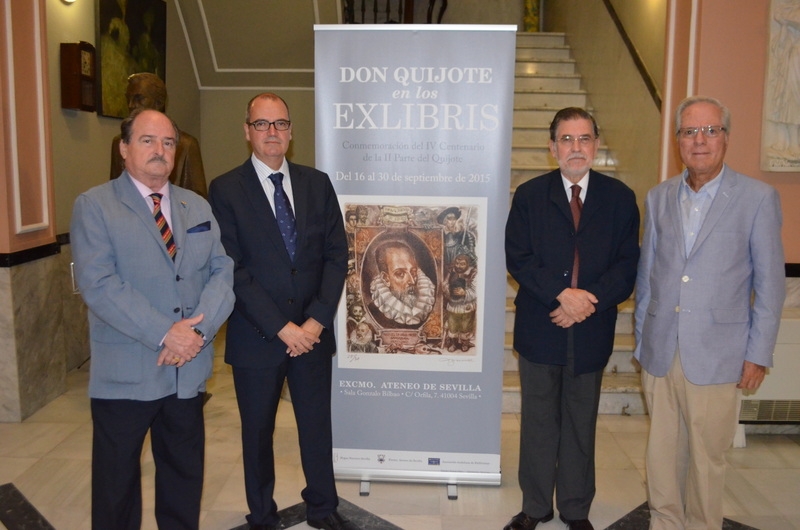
(688, 102)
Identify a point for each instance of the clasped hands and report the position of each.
(576, 306)
(182, 343)
(300, 339)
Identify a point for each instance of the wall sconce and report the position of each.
(67, 1)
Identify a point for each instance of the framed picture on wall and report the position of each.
(131, 38)
(780, 133)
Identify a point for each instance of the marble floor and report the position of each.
(47, 457)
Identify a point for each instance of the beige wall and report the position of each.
(81, 141)
(732, 42)
(626, 114)
(645, 24)
(731, 66)
(223, 143)
(729, 63)
(473, 12)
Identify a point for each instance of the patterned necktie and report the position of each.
(575, 206)
(163, 226)
(284, 215)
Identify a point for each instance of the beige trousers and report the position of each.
(691, 427)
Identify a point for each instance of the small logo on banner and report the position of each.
(433, 462)
(381, 459)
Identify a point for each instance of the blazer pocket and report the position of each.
(736, 315)
(202, 227)
(652, 307)
(106, 334)
(197, 248)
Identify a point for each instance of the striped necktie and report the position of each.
(163, 226)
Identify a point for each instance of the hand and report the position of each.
(300, 340)
(560, 318)
(170, 358)
(752, 376)
(182, 343)
(576, 306)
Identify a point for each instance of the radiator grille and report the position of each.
(770, 411)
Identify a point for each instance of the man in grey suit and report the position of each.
(709, 294)
(152, 270)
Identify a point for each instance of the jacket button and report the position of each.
(677, 309)
(176, 310)
(294, 272)
(291, 301)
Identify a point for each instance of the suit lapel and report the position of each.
(720, 203)
(300, 191)
(594, 199)
(265, 217)
(673, 211)
(130, 196)
(558, 196)
(179, 212)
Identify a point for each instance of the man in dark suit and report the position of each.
(572, 245)
(151, 269)
(282, 225)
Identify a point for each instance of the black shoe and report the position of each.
(522, 521)
(334, 521)
(576, 524)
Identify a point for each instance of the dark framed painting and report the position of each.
(131, 38)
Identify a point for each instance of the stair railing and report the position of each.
(387, 11)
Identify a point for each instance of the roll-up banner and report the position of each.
(413, 125)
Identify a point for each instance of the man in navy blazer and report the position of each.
(709, 296)
(156, 299)
(572, 245)
(281, 327)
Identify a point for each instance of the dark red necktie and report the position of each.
(575, 206)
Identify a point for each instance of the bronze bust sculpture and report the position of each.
(148, 90)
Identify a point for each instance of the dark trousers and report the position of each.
(177, 436)
(557, 438)
(258, 392)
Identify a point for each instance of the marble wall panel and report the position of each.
(74, 329)
(792, 292)
(38, 316)
(9, 382)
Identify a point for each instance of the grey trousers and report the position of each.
(557, 438)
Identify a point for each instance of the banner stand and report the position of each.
(413, 125)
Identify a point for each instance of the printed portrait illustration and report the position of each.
(412, 275)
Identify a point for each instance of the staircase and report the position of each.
(546, 81)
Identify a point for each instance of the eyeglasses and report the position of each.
(584, 140)
(264, 125)
(709, 131)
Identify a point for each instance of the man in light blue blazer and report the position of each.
(709, 294)
(152, 270)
